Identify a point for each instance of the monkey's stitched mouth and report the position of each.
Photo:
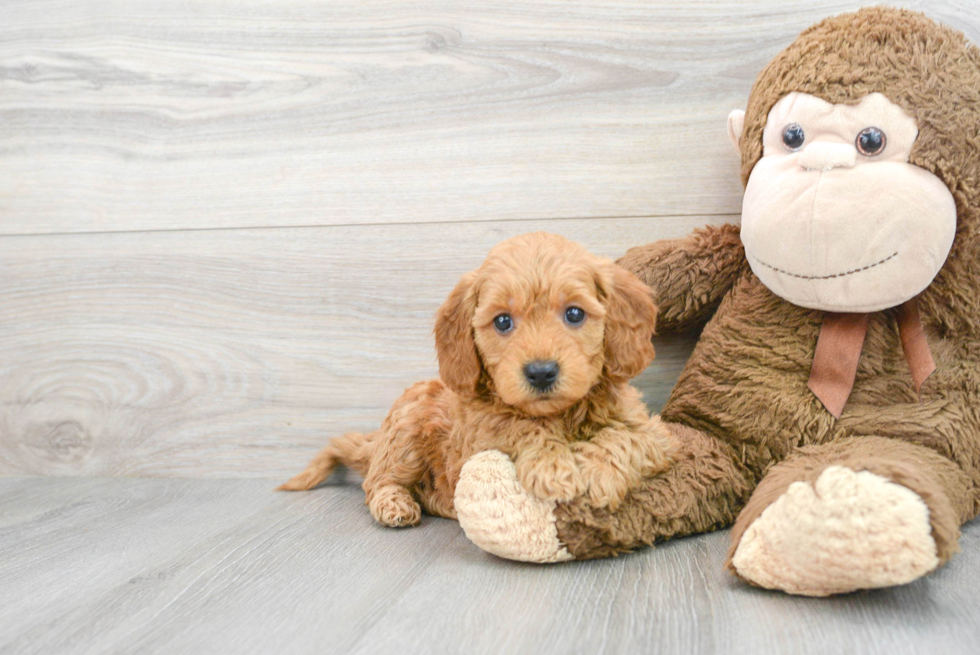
(826, 277)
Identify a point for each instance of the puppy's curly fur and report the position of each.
(587, 433)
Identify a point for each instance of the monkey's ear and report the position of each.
(459, 363)
(630, 320)
(736, 120)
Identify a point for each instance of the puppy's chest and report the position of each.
(579, 431)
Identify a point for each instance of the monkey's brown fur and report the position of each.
(743, 420)
(590, 434)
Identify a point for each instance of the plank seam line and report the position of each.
(242, 228)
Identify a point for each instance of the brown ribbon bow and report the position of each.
(835, 361)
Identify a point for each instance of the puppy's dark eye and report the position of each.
(503, 323)
(793, 136)
(574, 315)
(870, 141)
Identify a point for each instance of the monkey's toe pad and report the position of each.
(501, 517)
(848, 531)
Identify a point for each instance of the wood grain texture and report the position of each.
(143, 115)
(236, 353)
(168, 566)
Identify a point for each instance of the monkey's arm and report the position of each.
(703, 489)
(690, 275)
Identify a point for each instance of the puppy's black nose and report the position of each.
(541, 375)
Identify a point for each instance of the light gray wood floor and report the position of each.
(221, 566)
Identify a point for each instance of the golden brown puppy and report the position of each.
(535, 350)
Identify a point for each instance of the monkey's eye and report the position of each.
(793, 136)
(503, 323)
(870, 141)
(574, 315)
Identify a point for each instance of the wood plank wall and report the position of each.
(225, 226)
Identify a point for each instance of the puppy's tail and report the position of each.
(352, 450)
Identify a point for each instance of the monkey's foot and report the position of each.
(848, 531)
(501, 517)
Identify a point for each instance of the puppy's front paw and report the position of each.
(607, 483)
(551, 474)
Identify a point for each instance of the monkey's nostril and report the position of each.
(541, 374)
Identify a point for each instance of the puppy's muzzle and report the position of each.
(541, 375)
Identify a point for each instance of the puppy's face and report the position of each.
(546, 320)
(540, 332)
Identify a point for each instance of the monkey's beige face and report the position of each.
(540, 333)
(834, 216)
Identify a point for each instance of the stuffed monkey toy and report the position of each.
(831, 408)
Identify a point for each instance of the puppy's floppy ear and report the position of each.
(459, 364)
(630, 320)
